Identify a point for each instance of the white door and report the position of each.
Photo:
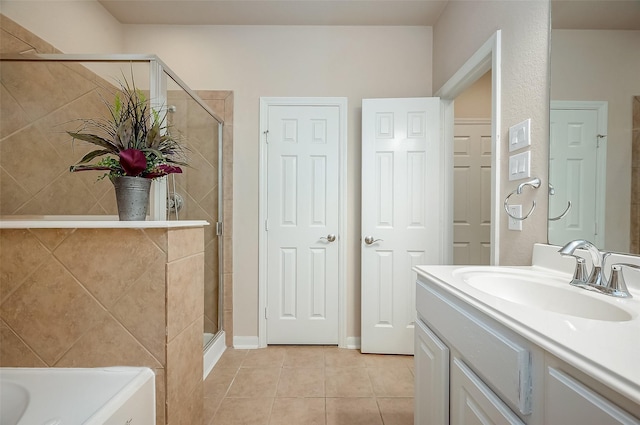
(576, 156)
(472, 192)
(400, 215)
(302, 224)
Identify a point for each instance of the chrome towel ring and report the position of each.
(535, 183)
(552, 191)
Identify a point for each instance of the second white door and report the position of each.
(401, 219)
(302, 224)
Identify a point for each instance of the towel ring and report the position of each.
(535, 183)
(552, 191)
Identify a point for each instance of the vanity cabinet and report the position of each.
(568, 400)
(472, 369)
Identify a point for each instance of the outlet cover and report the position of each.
(520, 166)
(516, 211)
(520, 135)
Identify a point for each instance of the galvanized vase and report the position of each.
(132, 197)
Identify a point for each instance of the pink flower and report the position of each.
(133, 161)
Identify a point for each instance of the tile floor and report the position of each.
(309, 385)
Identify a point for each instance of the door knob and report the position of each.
(370, 240)
(329, 238)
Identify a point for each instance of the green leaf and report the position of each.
(94, 154)
(96, 140)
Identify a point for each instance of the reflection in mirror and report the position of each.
(594, 159)
(472, 174)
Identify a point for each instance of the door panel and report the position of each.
(302, 211)
(573, 166)
(472, 193)
(400, 215)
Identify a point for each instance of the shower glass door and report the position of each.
(196, 194)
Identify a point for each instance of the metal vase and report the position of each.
(132, 197)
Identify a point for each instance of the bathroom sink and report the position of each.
(543, 291)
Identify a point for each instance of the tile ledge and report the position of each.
(90, 222)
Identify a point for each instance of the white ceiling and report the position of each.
(600, 14)
(276, 12)
(567, 14)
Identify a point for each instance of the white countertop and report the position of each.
(92, 222)
(607, 350)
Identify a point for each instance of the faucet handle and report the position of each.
(580, 273)
(617, 286)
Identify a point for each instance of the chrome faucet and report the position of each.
(596, 280)
(596, 277)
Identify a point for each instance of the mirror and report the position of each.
(594, 159)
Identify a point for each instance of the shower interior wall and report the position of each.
(40, 101)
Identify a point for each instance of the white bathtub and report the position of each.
(73, 396)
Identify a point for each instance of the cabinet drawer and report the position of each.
(502, 362)
(569, 401)
(472, 402)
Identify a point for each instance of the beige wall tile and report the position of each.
(12, 194)
(13, 117)
(184, 366)
(161, 393)
(159, 237)
(107, 344)
(184, 242)
(110, 260)
(42, 87)
(63, 196)
(142, 310)
(191, 411)
(14, 352)
(45, 165)
(51, 238)
(185, 288)
(51, 311)
(20, 255)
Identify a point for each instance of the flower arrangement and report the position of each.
(131, 141)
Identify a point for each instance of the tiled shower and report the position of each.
(40, 100)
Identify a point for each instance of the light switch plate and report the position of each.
(520, 135)
(516, 211)
(520, 166)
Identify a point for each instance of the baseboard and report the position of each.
(246, 342)
(353, 342)
(213, 354)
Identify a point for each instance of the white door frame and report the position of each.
(341, 103)
(487, 57)
(602, 108)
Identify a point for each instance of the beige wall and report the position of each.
(461, 29)
(255, 61)
(604, 66)
(71, 26)
(475, 101)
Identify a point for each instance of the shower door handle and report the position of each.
(329, 238)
